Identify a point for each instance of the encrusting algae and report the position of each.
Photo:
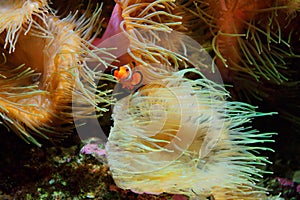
(44, 78)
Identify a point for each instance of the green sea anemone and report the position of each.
(181, 136)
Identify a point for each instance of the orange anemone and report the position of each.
(43, 70)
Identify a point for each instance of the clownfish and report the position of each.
(128, 76)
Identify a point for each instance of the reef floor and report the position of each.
(63, 172)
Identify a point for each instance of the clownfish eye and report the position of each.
(129, 70)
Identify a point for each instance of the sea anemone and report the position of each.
(254, 45)
(141, 32)
(181, 136)
(250, 38)
(139, 19)
(44, 78)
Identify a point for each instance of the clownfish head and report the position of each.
(127, 76)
